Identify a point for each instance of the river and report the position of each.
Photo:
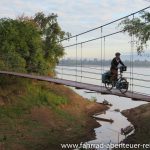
(108, 132)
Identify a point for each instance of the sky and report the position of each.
(75, 16)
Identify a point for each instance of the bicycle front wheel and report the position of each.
(123, 85)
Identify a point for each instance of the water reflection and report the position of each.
(110, 132)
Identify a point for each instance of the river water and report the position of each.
(109, 132)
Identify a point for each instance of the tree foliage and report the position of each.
(140, 28)
(52, 34)
(30, 44)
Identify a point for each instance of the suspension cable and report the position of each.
(76, 56)
(105, 24)
(104, 55)
(131, 63)
(81, 62)
(94, 39)
(94, 73)
(101, 51)
(62, 69)
(132, 57)
(98, 69)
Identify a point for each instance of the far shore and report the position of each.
(98, 66)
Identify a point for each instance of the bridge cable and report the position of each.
(101, 52)
(105, 24)
(132, 56)
(61, 68)
(81, 62)
(104, 54)
(130, 63)
(76, 56)
(63, 61)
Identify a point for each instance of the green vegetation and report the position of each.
(37, 115)
(19, 125)
(32, 95)
(36, 96)
(30, 44)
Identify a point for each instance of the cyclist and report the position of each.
(114, 66)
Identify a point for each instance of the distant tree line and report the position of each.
(96, 62)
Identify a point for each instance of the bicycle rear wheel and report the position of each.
(108, 85)
(123, 85)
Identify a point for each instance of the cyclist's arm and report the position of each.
(121, 63)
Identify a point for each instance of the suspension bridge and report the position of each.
(88, 77)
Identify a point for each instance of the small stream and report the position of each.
(110, 132)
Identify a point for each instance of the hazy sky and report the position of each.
(76, 16)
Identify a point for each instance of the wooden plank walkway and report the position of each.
(79, 85)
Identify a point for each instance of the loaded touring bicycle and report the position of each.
(120, 84)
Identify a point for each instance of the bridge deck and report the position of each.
(91, 87)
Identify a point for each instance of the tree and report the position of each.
(140, 28)
(30, 44)
(21, 46)
(52, 34)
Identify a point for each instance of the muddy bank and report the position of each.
(39, 116)
(140, 118)
(81, 109)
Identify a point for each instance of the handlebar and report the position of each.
(123, 68)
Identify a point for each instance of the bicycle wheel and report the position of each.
(123, 85)
(108, 85)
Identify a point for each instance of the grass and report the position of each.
(36, 114)
(36, 96)
(16, 111)
(33, 96)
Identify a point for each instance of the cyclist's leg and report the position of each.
(114, 74)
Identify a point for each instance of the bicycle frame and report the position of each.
(121, 82)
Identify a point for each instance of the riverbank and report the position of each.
(140, 118)
(39, 115)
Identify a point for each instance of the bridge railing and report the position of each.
(101, 43)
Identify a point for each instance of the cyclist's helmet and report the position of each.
(117, 54)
